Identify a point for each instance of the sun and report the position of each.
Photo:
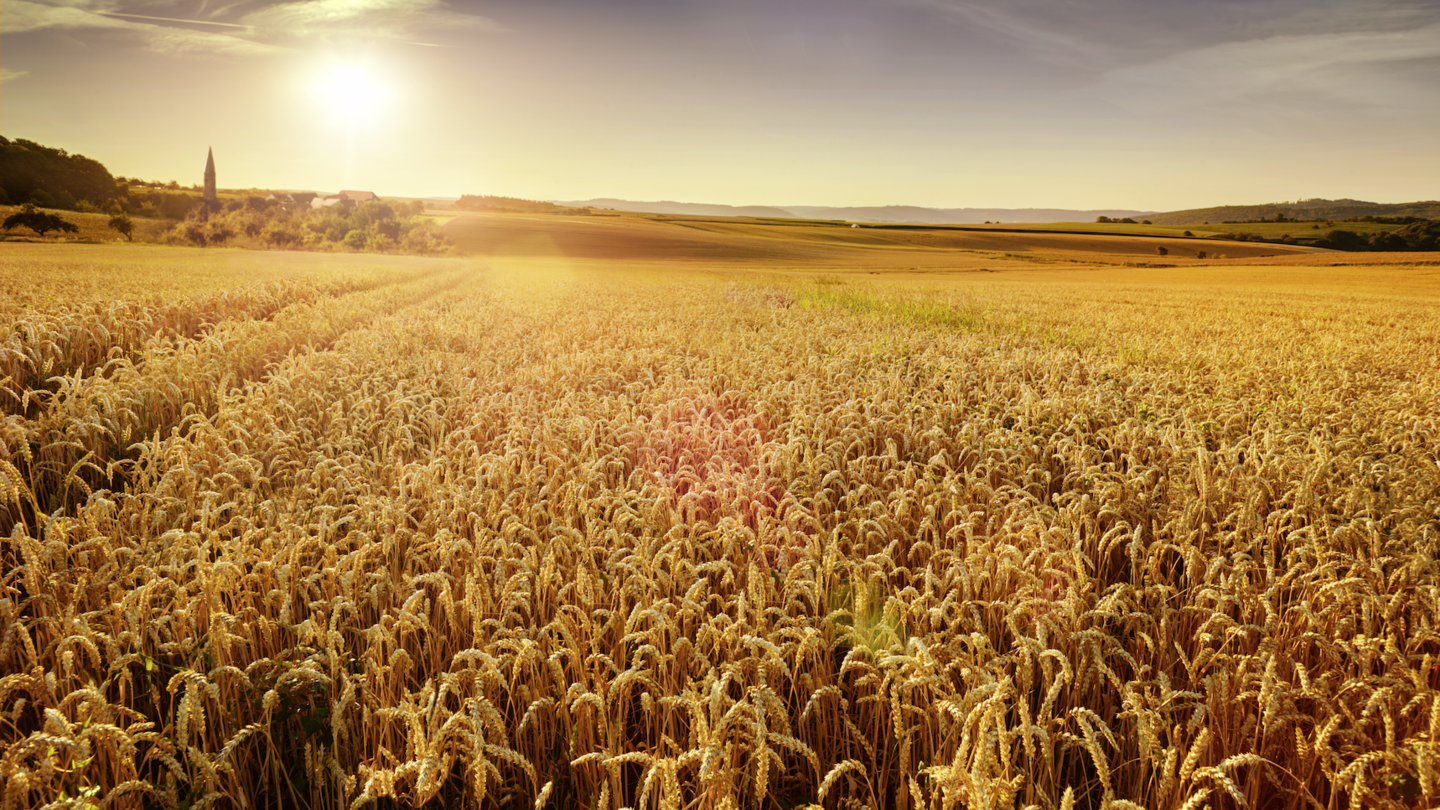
(354, 91)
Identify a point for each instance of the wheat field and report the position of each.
(458, 534)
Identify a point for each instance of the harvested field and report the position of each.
(552, 529)
(741, 241)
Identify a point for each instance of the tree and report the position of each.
(218, 233)
(280, 233)
(38, 221)
(1200, 254)
(121, 222)
(1345, 240)
(1388, 241)
(1161, 251)
(192, 231)
(380, 243)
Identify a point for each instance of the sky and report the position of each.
(1151, 105)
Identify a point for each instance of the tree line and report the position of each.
(487, 202)
(374, 227)
(52, 178)
(1421, 235)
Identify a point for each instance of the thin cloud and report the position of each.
(24, 15)
(1109, 35)
(382, 19)
(185, 42)
(1033, 29)
(264, 31)
(174, 20)
(7, 75)
(1178, 55)
(1351, 67)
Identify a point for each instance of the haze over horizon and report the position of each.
(1095, 104)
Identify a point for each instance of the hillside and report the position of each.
(946, 216)
(51, 178)
(881, 213)
(683, 209)
(1302, 210)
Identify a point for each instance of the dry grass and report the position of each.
(92, 228)
(515, 536)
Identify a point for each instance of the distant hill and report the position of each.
(684, 209)
(51, 178)
(486, 202)
(1302, 210)
(884, 213)
(945, 216)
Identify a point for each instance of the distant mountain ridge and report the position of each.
(884, 213)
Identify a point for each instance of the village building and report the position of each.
(292, 200)
(336, 199)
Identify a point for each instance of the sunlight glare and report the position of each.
(354, 92)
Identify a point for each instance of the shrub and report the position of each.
(38, 221)
(1344, 240)
(121, 223)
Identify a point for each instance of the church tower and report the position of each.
(210, 176)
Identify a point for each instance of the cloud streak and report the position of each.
(1343, 67)
(23, 15)
(1113, 34)
(380, 19)
(1206, 54)
(273, 29)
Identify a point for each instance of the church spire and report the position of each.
(210, 175)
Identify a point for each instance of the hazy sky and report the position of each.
(1145, 104)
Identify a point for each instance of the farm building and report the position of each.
(352, 196)
(293, 200)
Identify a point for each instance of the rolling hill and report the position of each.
(773, 245)
(1302, 210)
(683, 209)
(883, 213)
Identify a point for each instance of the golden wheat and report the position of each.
(483, 538)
